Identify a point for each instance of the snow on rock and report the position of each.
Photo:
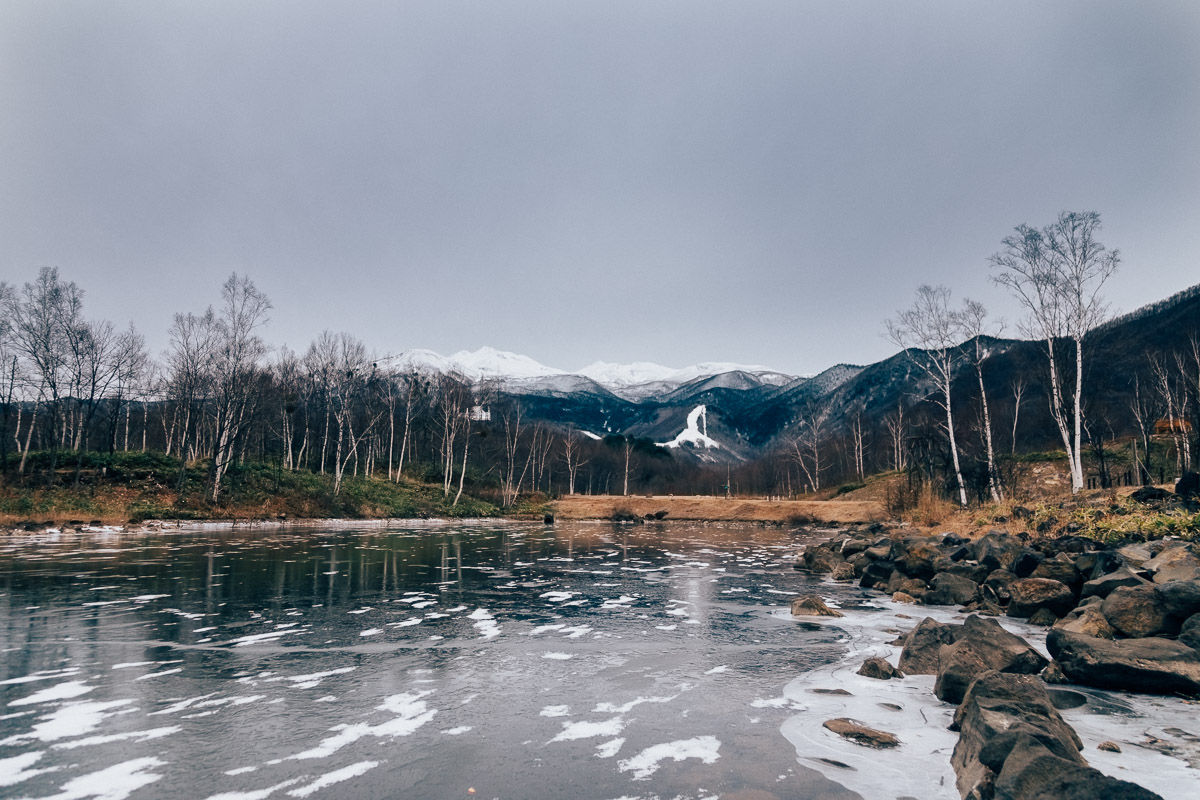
(696, 432)
(645, 763)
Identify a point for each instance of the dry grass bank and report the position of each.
(721, 508)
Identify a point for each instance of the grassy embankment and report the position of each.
(120, 488)
(1039, 502)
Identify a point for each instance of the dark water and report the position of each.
(438, 661)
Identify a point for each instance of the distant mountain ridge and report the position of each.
(523, 375)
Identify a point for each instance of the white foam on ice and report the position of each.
(258, 794)
(70, 719)
(612, 708)
(371, 632)
(459, 731)
(646, 763)
(587, 730)
(557, 656)
(311, 679)
(111, 783)
(337, 776)
(610, 748)
(716, 670)
(45, 675)
(555, 711)
(135, 736)
(485, 623)
(17, 769)
(258, 638)
(413, 713)
(60, 691)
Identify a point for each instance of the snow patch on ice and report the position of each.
(112, 783)
(337, 776)
(610, 748)
(587, 730)
(646, 763)
(413, 713)
(555, 711)
(60, 691)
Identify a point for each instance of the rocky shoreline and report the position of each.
(1115, 618)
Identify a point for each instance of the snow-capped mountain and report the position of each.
(638, 380)
(642, 372)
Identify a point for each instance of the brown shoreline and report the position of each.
(721, 509)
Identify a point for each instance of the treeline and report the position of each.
(954, 411)
(219, 396)
(960, 404)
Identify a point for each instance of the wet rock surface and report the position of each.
(1123, 618)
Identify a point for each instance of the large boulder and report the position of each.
(997, 550)
(877, 574)
(1061, 569)
(1178, 563)
(1088, 621)
(880, 669)
(1026, 562)
(915, 559)
(996, 586)
(1031, 594)
(1031, 772)
(950, 590)
(1189, 633)
(1181, 599)
(1135, 611)
(996, 712)
(1152, 666)
(809, 605)
(919, 654)
(1105, 584)
(982, 645)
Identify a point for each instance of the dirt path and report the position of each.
(720, 508)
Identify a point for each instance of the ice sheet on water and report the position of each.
(460, 730)
(587, 730)
(257, 638)
(370, 632)
(158, 674)
(646, 763)
(555, 711)
(557, 597)
(557, 656)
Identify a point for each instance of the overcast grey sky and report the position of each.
(761, 182)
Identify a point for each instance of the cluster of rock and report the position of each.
(1125, 618)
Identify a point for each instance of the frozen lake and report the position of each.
(503, 660)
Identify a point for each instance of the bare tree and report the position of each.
(930, 332)
(235, 369)
(572, 456)
(974, 323)
(43, 317)
(1020, 384)
(805, 446)
(897, 432)
(1057, 274)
